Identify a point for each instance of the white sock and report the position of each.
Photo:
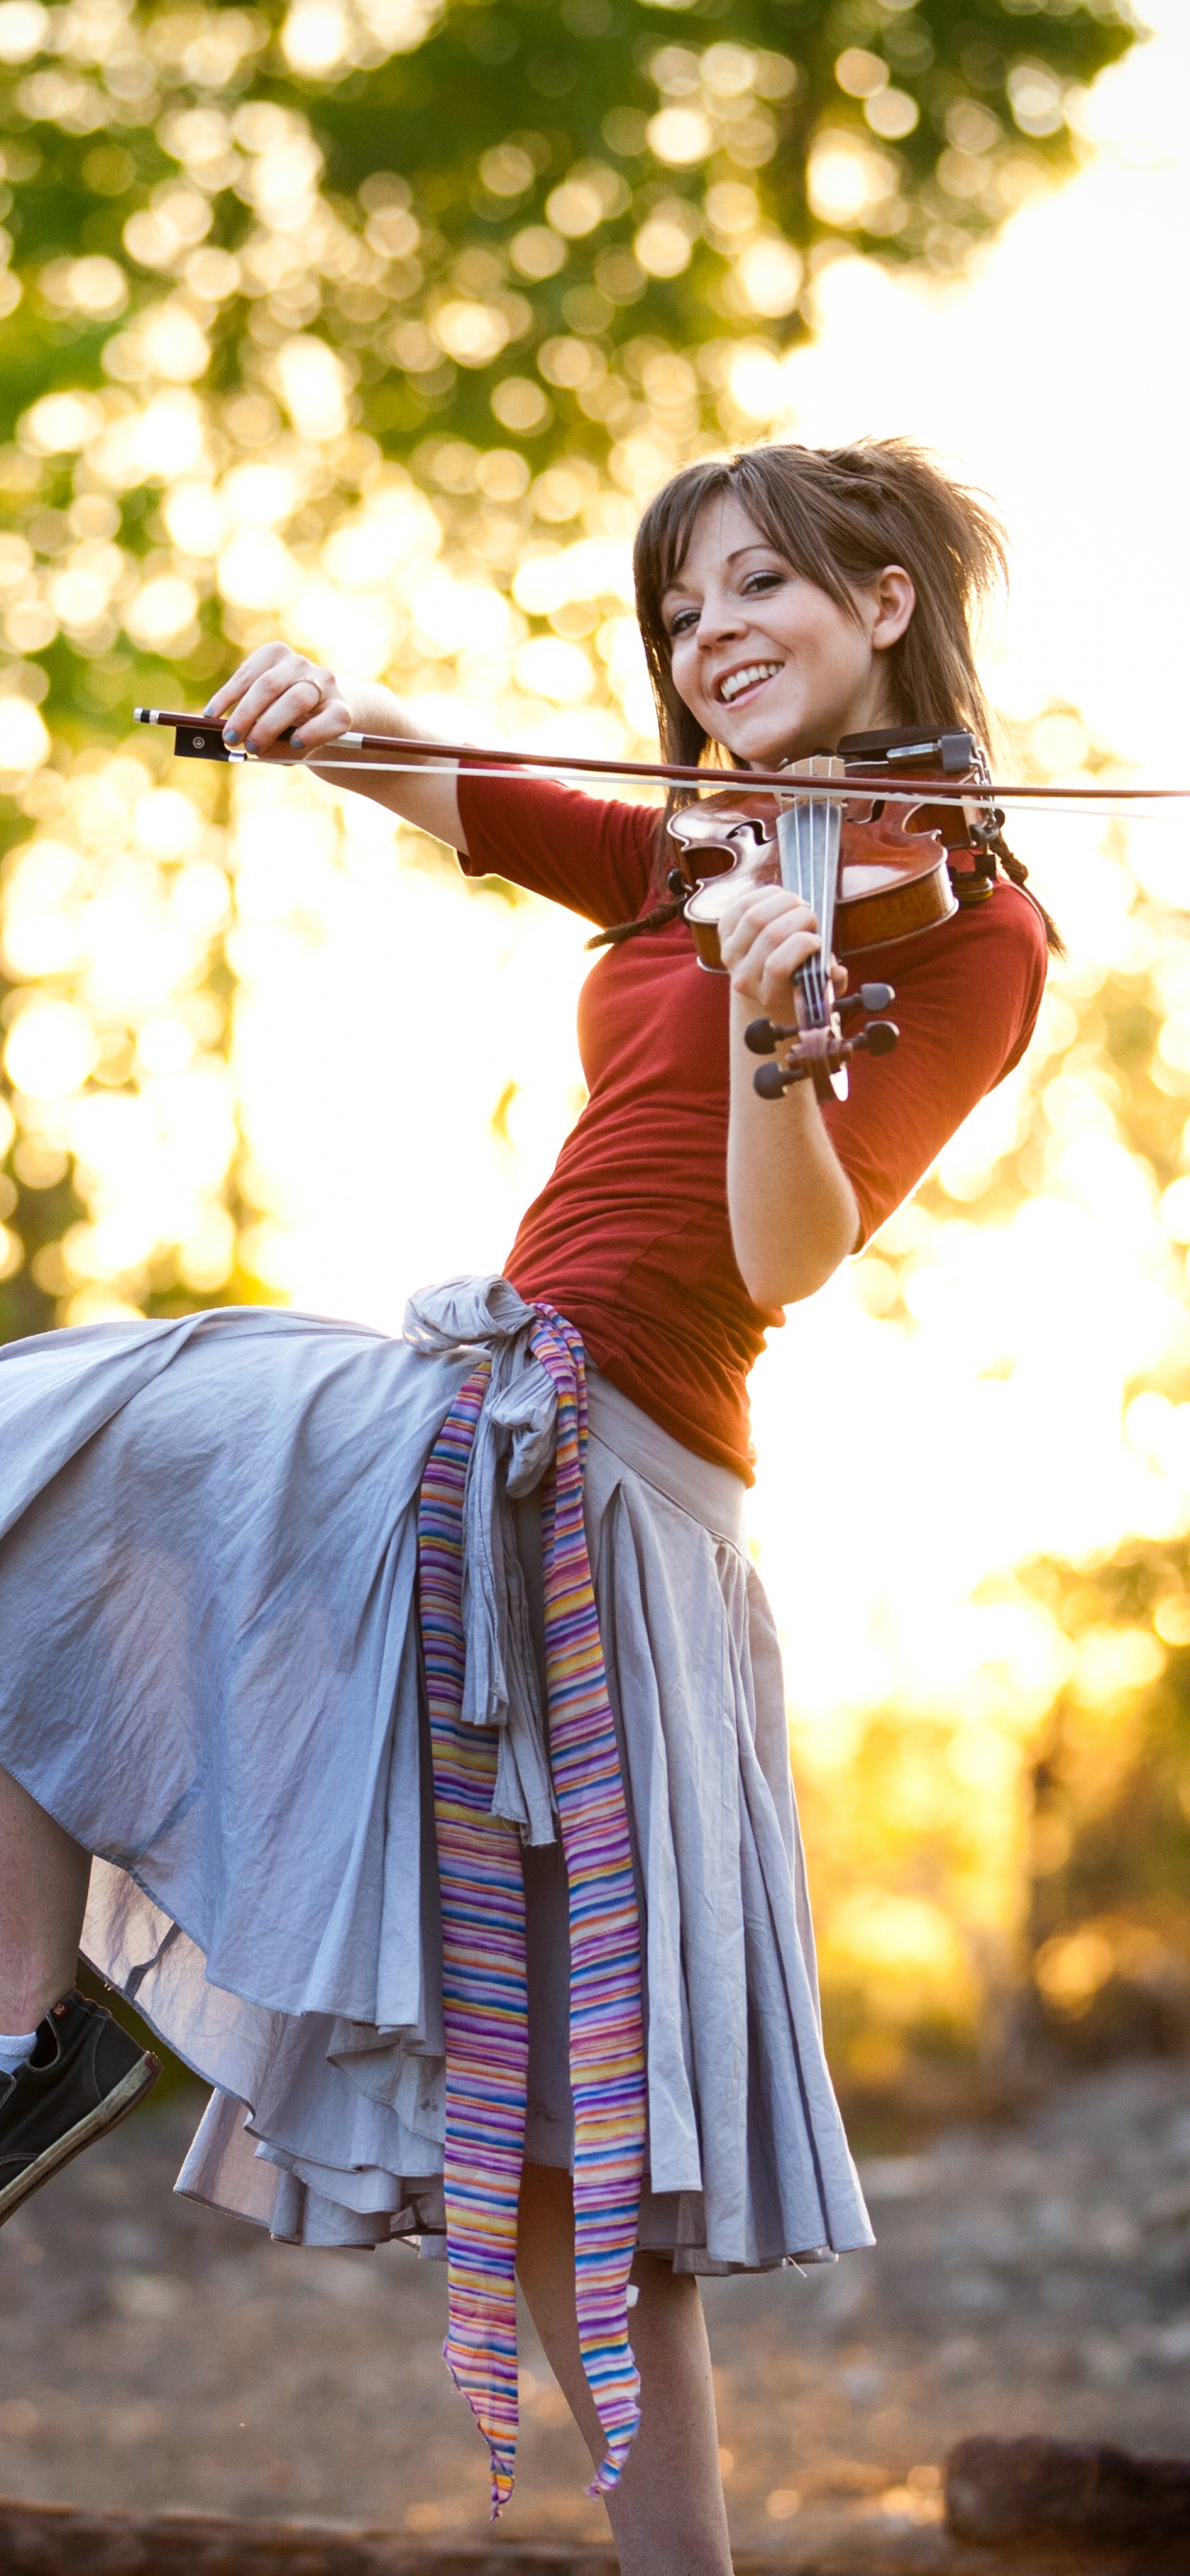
(15, 2047)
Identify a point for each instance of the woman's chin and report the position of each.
(750, 743)
(758, 747)
(763, 738)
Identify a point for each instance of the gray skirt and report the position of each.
(210, 1675)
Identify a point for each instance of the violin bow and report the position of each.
(200, 738)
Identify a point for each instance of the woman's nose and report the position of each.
(720, 620)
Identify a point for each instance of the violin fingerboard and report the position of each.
(809, 835)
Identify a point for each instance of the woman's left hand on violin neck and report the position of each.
(763, 938)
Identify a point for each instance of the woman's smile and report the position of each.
(744, 682)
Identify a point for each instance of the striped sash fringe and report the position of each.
(483, 1944)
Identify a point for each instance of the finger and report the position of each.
(779, 964)
(231, 691)
(278, 731)
(272, 668)
(276, 700)
(297, 707)
(767, 903)
(253, 691)
(758, 943)
(326, 726)
(754, 918)
(785, 962)
(776, 997)
(259, 706)
(311, 696)
(770, 964)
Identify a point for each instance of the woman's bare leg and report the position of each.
(667, 2514)
(43, 1897)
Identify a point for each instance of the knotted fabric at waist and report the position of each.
(501, 1773)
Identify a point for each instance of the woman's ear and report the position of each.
(893, 600)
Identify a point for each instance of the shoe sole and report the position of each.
(106, 2115)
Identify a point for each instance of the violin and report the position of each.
(873, 873)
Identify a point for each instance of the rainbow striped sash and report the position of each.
(483, 1944)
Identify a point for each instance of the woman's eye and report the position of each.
(682, 623)
(759, 582)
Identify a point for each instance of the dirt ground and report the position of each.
(1033, 2279)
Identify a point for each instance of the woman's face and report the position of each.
(768, 664)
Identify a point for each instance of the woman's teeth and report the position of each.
(737, 681)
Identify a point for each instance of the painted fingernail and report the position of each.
(230, 734)
(296, 743)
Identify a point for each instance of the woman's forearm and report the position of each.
(279, 701)
(793, 1213)
(430, 803)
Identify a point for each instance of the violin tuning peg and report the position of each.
(676, 883)
(760, 1037)
(879, 1038)
(769, 1080)
(870, 997)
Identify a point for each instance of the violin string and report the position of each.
(826, 828)
(818, 821)
(803, 816)
(806, 815)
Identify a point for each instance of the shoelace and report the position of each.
(483, 1946)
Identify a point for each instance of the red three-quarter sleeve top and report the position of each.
(630, 1237)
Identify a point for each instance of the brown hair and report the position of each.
(839, 515)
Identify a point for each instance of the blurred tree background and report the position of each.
(373, 322)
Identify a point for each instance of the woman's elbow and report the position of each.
(770, 1286)
(786, 1276)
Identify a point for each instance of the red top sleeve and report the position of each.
(967, 997)
(594, 854)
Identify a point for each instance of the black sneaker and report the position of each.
(85, 2075)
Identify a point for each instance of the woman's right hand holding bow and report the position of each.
(279, 702)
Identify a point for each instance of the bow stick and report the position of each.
(411, 756)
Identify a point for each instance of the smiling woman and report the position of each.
(623, 2078)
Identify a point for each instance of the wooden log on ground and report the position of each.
(59, 2540)
(62, 2540)
(1085, 2496)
